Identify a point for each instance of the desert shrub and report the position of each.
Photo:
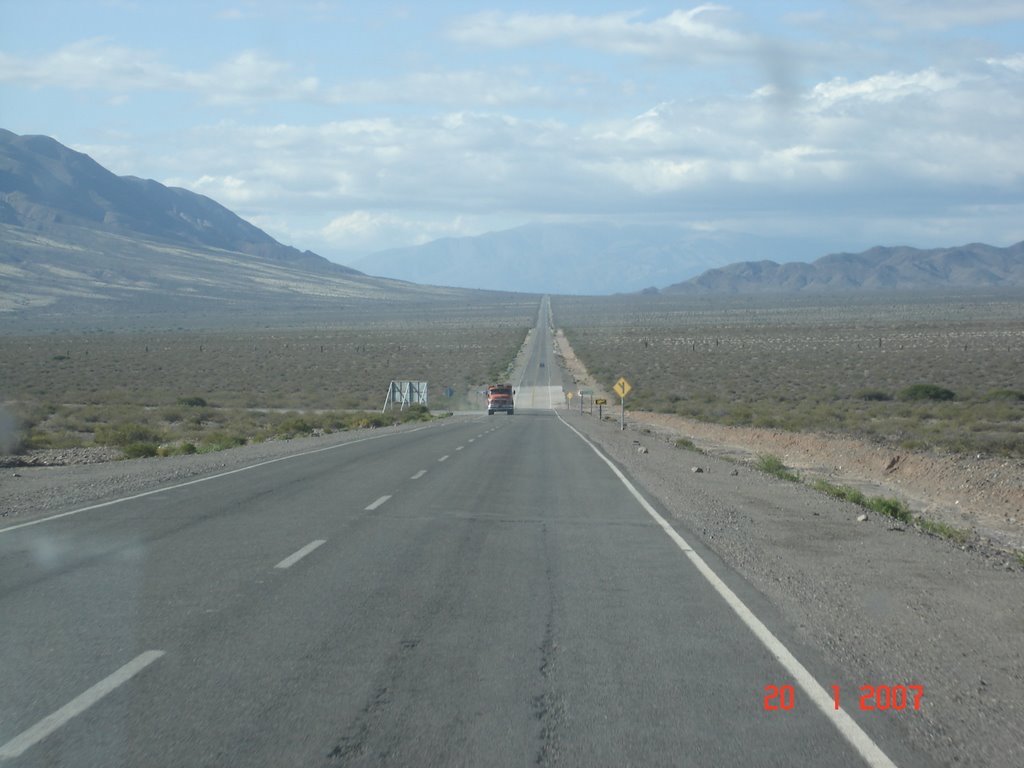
(943, 530)
(844, 492)
(875, 395)
(140, 450)
(37, 439)
(773, 465)
(124, 435)
(179, 449)
(416, 412)
(293, 427)
(376, 420)
(193, 402)
(686, 444)
(927, 392)
(1013, 395)
(219, 441)
(890, 507)
(171, 415)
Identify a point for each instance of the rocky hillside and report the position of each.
(46, 188)
(83, 247)
(893, 269)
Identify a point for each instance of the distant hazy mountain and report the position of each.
(901, 268)
(587, 258)
(80, 245)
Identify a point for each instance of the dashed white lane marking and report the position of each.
(418, 475)
(142, 495)
(16, 746)
(291, 560)
(471, 440)
(460, 448)
(444, 458)
(854, 735)
(377, 503)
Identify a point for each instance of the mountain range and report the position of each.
(890, 269)
(575, 258)
(77, 241)
(46, 187)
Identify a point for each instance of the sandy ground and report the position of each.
(981, 494)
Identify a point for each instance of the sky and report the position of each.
(350, 127)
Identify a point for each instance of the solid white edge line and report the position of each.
(202, 480)
(377, 503)
(418, 475)
(845, 724)
(16, 746)
(292, 559)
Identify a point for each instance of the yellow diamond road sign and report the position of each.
(622, 387)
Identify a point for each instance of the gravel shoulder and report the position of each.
(883, 602)
(979, 494)
(77, 477)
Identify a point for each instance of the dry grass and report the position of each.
(216, 388)
(811, 365)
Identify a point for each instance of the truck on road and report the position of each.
(500, 397)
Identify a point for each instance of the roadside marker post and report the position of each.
(622, 388)
(584, 393)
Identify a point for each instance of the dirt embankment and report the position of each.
(982, 494)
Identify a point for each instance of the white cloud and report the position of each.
(881, 88)
(98, 64)
(364, 231)
(944, 14)
(680, 34)
(930, 142)
(250, 77)
(447, 88)
(94, 63)
(1013, 63)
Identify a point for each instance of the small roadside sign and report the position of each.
(622, 387)
(600, 401)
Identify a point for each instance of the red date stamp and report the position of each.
(872, 697)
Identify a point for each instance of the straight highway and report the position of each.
(489, 591)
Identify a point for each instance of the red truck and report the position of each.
(500, 397)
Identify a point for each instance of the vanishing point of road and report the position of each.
(483, 591)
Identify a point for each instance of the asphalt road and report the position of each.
(485, 593)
